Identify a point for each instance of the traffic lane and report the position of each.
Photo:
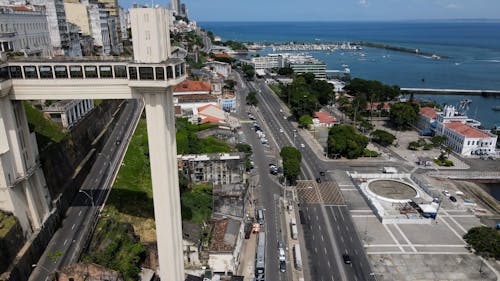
(346, 233)
(318, 244)
(267, 189)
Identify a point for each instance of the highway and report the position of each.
(67, 243)
(330, 231)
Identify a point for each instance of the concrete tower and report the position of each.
(175, 6)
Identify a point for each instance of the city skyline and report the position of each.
(323, 10)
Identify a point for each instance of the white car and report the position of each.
(302, 145)
(281, 131)
(446, 193)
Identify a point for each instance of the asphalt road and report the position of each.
(66, 245)
(268, 191)
(332, 230)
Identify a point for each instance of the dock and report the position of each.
(432, 91)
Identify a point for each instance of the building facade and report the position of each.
(68, 112)
(215, 168)
(58, 28)
(24, 29)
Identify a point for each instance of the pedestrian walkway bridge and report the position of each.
(103, 78)
(451, 91)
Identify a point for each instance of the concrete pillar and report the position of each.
(163, 159)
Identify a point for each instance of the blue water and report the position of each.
(473, 49)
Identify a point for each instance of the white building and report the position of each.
(68, 112)
(218, 67)
(462, 135)
(58, 29)
(24, 29)
(267, 62)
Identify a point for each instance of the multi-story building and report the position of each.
(462, 133)
(267, 62)
(315, 67)
(68, 112)
(123, 18)
(215, 168)
(58, 28)
(175, 6)
(225, 245)
(24, 29)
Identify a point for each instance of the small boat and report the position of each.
(496, 108)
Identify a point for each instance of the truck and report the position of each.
(293, 228)
(297, 258)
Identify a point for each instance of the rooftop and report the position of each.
(213, 156)
(224, 234)
(193, 86)
(197, 97)
(428, 112)
(466, 130)
(191, 231)
(324, 117)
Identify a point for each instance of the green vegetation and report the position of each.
(248, 70)
(234, 45)
(382, 137)
(229, 84)
(484, 240)
(305, 121)
(7, 221)
(46, 130)
(403, 115)
(115, 246)
(370, 153)
(210, 35)
(189, 143)
(251, 99)
(247, 149)
(443, 160)
(416, 145)
(291, 163)
(223, 59)
(288, 71)
(372, 90)
(306, 94)
(343, 140)
(196, 203)
(191, 40)
(438, 141)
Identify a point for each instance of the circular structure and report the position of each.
(392, 190)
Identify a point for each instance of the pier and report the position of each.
(451, 91)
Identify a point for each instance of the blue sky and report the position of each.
(335, 10)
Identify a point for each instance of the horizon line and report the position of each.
(362, 20)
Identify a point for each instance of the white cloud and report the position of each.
(363, 3)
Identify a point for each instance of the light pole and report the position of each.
(90, 197)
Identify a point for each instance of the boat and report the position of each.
(496, 108)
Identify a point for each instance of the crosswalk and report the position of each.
(327, 193)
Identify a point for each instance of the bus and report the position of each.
(260, 263)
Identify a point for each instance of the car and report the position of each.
(318, 180)
(446, 193)
(284, 117)
(302, 145)
(283, 266)
(453, 199)
(281, 131)
(118, 142)
(322, 173)
(346, 258)
(281, 110)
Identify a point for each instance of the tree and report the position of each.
(248, 70)
(484, 240)
(343, 140)
(243, 147)
(288, 71)
(372, 88)
(437, 141)
(403, 115)
(229, 84)
(252, 99)
(305, 121)
(382, 137)
(291, 163)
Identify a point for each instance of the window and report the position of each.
(15, 72)
(46, 72)
(30, 72)
(61, 71)
(160, 73)
(76, 71)
(91, 71)
(120, 71)
(170, 72)
(146, 73)
(4, 73)
(177, 70)
(132, 73)
(105, 71)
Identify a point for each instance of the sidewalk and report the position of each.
(247, 264)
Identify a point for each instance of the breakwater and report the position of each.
(415, 51)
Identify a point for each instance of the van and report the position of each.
(260, 216)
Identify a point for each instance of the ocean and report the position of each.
(473, 49)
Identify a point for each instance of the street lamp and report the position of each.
(90, 197)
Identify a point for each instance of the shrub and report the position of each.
(370, 153)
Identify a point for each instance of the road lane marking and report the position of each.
(73, 226)
(405, 238)
(322, 239)
(80, 213)
(342, 238)
(315, 250)
(393, 237)
(65, 241)
(325, 250)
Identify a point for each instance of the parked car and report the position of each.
(453, 199)
(446, 193)
(322, 173)
(283, 266)
(318, 180)
(302, 145)
(346, 258)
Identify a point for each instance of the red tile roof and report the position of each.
(197, 98)
(428, 112)
(324, 117)
(193, 86)
(222, 55)
(466, 130)
(22, 9)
